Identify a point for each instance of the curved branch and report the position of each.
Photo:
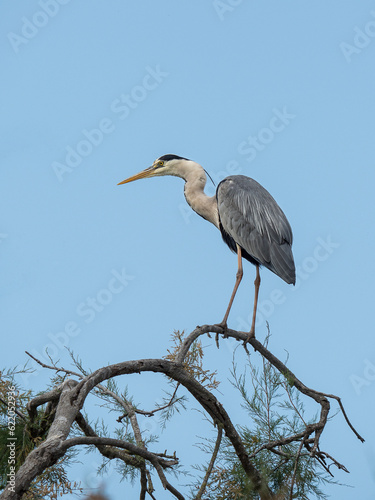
(72, 399)
(157, 462)
(55, 394)
(46, 397)
(319, 397)
(207, 400)
(132, 448)
(108, 451)
(71, 395)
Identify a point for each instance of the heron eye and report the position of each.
(161, 163)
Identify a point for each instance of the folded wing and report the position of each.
(250, 217)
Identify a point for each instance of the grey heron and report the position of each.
(250, 221)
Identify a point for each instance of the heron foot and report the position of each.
(250, 335)
(224, 326)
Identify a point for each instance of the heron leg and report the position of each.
(236, 285)
(257, 285)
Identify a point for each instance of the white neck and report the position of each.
(195, 180)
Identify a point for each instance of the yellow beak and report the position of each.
(148, 172)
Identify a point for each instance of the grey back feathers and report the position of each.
(250, 217)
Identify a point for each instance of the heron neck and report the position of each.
(205, 206)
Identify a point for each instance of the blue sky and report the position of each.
(92, 92)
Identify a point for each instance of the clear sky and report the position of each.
(94, 91)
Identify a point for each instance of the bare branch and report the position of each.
(108, 451)
(207, 400)
(52, 367)
(332, 396)
(156, 461)
(68, 399)
(151, 413)
(282, 442)
(130, 410)
(20, 414)
(319, 397)
(46, 397)
(211, 464)
(130, 447)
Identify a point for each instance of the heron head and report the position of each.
(165, 165)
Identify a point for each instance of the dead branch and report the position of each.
(151, 413)
(130, 447)
(53, 395)
(319, 397)
(108, 451)
(68, 400)
(20, 414)
(46, 397)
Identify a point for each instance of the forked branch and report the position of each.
(69, 397)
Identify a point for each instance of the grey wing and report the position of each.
(251, 217)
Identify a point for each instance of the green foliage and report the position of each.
(275, 411)
(193, 361)
(27, 434)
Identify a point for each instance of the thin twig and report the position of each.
(285, 385)
(281, 442)
(152, 412)
(56, 368)
(295, 470)
(211, 464)
(21, 415)
(345, 415)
